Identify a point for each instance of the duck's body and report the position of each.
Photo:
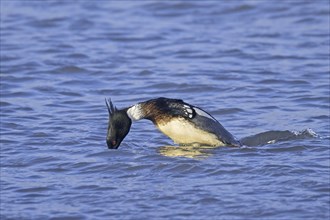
(183, 123)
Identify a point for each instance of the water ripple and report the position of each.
(260, 68)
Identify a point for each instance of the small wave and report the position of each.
(271, 137)
(70, 69)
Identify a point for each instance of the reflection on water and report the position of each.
(192, 151)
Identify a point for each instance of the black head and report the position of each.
(118, 127)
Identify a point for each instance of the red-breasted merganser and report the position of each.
(185, 124)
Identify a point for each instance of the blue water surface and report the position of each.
(260, 67)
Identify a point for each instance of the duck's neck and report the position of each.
(145, 110)
(135, 112)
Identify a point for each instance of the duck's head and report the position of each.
(118, 126)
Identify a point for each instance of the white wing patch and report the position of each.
(203, 113)
(188, 111)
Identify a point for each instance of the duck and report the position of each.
(185, 124)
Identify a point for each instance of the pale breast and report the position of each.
(182, 131)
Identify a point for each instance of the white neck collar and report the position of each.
(135, 112)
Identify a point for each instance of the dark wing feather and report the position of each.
(174, 107)
(208, 123)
